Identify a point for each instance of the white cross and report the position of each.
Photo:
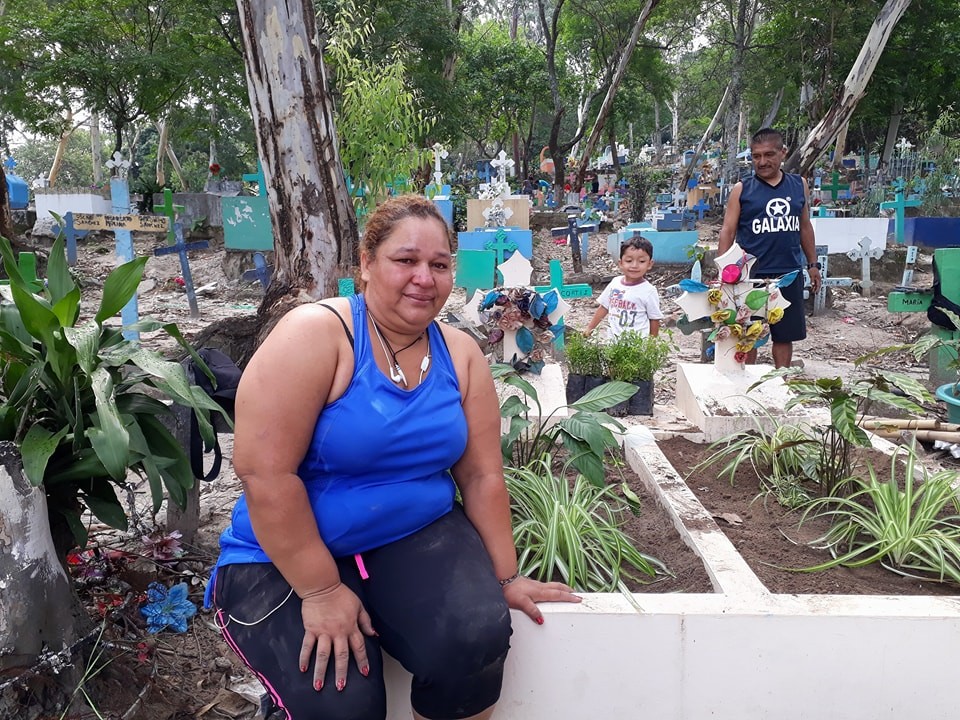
(502, 164)
(439, 153)
(864, 253)
(121, 165)
(497, 214)
(904, 145)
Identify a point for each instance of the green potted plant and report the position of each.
(635, 359)
(585, 365)
(82, 403)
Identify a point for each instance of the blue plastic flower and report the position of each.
(167, 608)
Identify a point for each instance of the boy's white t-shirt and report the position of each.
(629, 307)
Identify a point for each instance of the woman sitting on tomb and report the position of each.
(357, 421)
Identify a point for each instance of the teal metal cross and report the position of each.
(170, 210)
(500, 245)
(899, 205)
(259, 179)
(837, 185)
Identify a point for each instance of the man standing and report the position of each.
(768, 215)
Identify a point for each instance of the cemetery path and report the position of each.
(197, 675)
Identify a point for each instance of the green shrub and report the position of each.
(634, 358)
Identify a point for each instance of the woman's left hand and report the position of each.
(524, 593)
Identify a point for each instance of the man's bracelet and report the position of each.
(816, 265)
(515, 576)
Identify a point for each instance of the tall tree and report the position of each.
(314, 224)
(803, 158)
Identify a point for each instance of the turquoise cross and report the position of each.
(899, 205)
(259, 179)
(835, 186)
(170, 210)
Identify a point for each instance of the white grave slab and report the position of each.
(718, 403)
(551, 392)
(841, 235)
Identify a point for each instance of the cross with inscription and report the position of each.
(502, 164)
(181, 248)
(863, 254)
(577, 290)
(899, 206)
(170, 211)
(572, 233)
(835, 186)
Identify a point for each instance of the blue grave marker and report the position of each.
(120, 204)
(262, 272)
(572, 233)
(72, 235)
(700, 208)
(180, 247)
(480, 238)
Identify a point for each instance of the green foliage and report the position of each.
(583, 433)
(783, 456)
(846, 401)
(932, 342)
(634, 358)
(643, 182)
(82, 402)
(572, 528)
(913, 530)
(584, 355)
(379, 116)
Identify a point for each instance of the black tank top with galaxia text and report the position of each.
(769, 226)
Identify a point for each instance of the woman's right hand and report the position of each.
(334, 622)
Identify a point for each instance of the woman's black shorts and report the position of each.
(433, 598)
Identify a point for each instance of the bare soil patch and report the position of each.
(768, 537)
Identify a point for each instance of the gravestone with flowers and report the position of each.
(740, 311)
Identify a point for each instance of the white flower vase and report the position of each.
(724, 357)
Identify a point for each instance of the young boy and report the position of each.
(631, 301)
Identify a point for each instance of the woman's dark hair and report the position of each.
(638, 242)
(387, 215)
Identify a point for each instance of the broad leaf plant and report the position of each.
(82, 403)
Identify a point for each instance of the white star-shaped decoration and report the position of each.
(516, 270)
(471, 311)
(777, 207)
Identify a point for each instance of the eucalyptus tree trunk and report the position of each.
(40, 613)
(893, 128)
(607, 105)
(61, 149)
(742, 32)
(803, 158)
(6, 215)
(177, 169)
(314, 224)
(688, 171)
(774, 110)
(162, 141)
(96, 148)
(840, 145)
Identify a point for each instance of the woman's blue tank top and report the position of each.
(769, 226)
(378, 465)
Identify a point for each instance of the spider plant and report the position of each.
(783, 458)
(913, 530)
(573, 528)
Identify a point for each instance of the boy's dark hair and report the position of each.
(638, 242)
(767, 134)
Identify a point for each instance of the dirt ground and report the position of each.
(195, 675)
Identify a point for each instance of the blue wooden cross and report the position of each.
(701, 207)
(261, 271)
(572, 233)
(120, 204)
(170, 210)
(181, 248)
(72, 235)
(899, 205)
(259, 179)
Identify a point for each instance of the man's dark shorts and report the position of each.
(793, 326)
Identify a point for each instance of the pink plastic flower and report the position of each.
(731, 274)
(723, 333)
(740, 357)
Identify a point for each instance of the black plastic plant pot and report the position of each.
(575, 385)
(642, 401)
